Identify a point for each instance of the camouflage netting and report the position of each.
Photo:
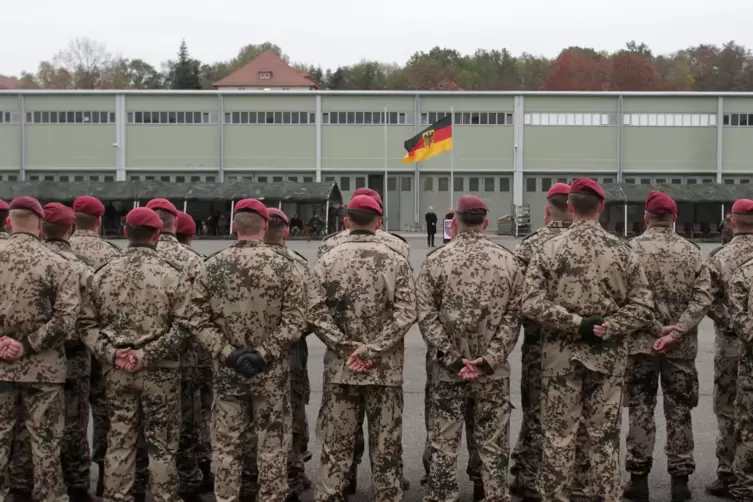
(145, 190)
(623, 193)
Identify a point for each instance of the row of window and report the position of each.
(670, 119)
(532, 184)
(9, 117)
(66, 178)
(470, 118)
(739, 119)
(366, 118)
(172, 117)
(66, 117)
(270, 118)
(570, 119)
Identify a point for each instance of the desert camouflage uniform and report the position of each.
(527, 453)
(680, 282)
(258, 298)
(97, 251)
(722, 263)
(142, 302)
(40, 305)
(75, 456)
(468, 302)
(189, 262)
(584, 272)
(367, 290)
(4, 236)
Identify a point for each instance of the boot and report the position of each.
(637, 489)
(529, 495)
(79, 495)
(101, 479)
(139, 497)
(21, 496)
(406, 484)
(478, 492)
(680, 489)
(352, 486)
(189, 497)
(719, 488)
(207, 484)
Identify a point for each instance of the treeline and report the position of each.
(87, 64)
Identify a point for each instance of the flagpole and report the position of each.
(452, 158)
(384, 183)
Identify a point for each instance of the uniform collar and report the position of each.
(141, 248)
(586, 223)
(167, 237)
(86, 233)
(660, 230)
(362, 232)
(59, 242)
(23, 236)
(560, 224)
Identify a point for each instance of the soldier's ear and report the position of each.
(486, 223)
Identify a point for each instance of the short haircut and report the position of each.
(183, 238)
(3, 217)
(168, 219)
(23, 218)
(140, 234)
(558, 202)
(471, 219)
(362, 218)
(86, 221)
(743, 221)
(276, 229)
(663, 218)
(248, 223)
(54, 230)
(584, 204)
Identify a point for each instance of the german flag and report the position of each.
(433, 140)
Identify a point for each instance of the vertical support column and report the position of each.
(232, 214)
(318, 126)
(417, 170)
(518, 133)
(22, 123)
(221, 138)
(620, 126)
(720, 141)
(121, 129)
(625, 220)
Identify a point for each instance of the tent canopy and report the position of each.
(624, 193)
(286, 191)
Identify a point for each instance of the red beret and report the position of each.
(186, 225)
(3, 205)
(587, 185)
(28, 203)
(162, 205)
(369, 193)
(471, 204)
(143, 217)
(252, 206)
(366, 204)
(273, 211)
(88, 205)
(558, 189)
(741, 206)
(55, 212)
(660, 203)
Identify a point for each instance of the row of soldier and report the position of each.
(584, 294)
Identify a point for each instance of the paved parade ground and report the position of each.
(704, 421)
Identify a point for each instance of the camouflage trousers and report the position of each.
(236, 422)
(98, 401)
(526, 456)
(490, 405)
(42, 405)
(74, 447)
(725, 390)
(595, 400)
(742, 467)
(187, 461)
(148, 400)
(679, 383)
(337, 426)
(203, 382)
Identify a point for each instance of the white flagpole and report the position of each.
(452, 159)
(384, 183)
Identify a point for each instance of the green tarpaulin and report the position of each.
(624, 193)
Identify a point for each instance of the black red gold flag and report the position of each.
(433, 140)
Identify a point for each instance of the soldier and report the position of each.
(680, 282)
(468, 302)
(722, 263)
(587, 291)
(40, 306)
(185, 229)
(370, 298)
(188, 262)
(87, 243)
(138, 317)
(4, 234)
(258, 298)
(57, 228)
(400, 245)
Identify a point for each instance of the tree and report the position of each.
(51, 77)
(185, 72)
(578, 69)
(632, 71)
(87, 61)
(252, 51)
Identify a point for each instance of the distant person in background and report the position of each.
(450, 215)
(725, 228)
(296, 225)
(431, 226)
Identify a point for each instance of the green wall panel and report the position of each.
(570, 149)
(270, 103)
(670, 104)
(657, 149)
(570, 104)
(69, 103)
(10, 146)
(362, 147)
(467, 103)
(158, 103)
(477, 148)
(189, 146)
(75, 145)
(368, 103)
(736, 143)
(279, 147)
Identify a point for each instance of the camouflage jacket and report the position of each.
(740, 307)
(529, 246)
(365, 300)
(78, 358)
(39, 307)
(4, 236)
(93, 248)
(681, 285)
(143, 302)
(393, 241)
(189, 262)
(586, 272)
(258, 299)
(722, 263)
(468, 301)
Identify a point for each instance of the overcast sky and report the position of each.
(341, 32)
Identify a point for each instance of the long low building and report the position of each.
(509, 147)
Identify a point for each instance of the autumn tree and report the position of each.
(577, 69)
(632, 71)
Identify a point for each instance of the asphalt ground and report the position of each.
(704, 421)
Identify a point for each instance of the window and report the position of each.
(248, 178)
(530, 184)
(149, 178)
(293, 178)
(262, 179)
(210, 179)
(744, 181)
(12, 177)
(391, 184)
(345, 183)
(265, 75)
(308, 179)
(33, 177)
(473, 118)
(109, 178)
(93, 178)
(174, 117)
(428, 184)
(645, 181)
(473, 184)
(729, 181)
(676, 181)
(504, 185)
(194, 179)
(488, 184)
(561, 180)
(406, 184)
(546, 184)
(164, 178)
(458, 183)
(360, 182)
(569, 119)
(661, 181)
(49, 178)
(692, 181)
(630, 181)
(707, 181)
(64, 179)
(276, 179)
(58, 117)
(329, 179)
(78, 178)
(608, 180)
(180, 179)
(443, 184)
(669, 119)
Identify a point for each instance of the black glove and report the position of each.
(234, 358)
(586, 329)
(250, 362)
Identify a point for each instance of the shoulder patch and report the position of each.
(398, 236)
(714, 251)
(102, 266)
(113, 245)
(299, 255)
(531, 235)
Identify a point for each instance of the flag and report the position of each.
(433, 140)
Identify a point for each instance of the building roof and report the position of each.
(9, 82)
(282, 74)
(711, 193)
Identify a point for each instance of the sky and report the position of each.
(335, 33)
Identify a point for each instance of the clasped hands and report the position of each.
(668, 336)
(10, 349)
(246, 362)
(358, 362)
(128, 360)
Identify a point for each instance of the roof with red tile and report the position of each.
(9, 83)
(283, 75)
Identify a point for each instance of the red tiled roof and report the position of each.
(9, 82)
(283, 75)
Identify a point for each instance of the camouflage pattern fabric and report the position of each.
(468, 301)
(203, 382)
(390, 240)
(584, 272)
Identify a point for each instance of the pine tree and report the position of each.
(185, 71)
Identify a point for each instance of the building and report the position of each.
(509, 147)
(265, 73)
